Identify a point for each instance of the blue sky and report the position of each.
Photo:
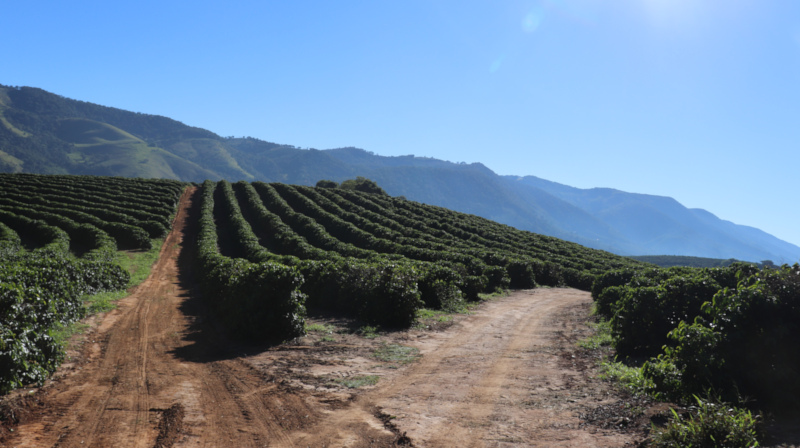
(694, 99)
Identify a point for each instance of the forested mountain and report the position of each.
(661, 225)
(41, 132)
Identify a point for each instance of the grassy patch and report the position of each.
(320, 328)
(354, 382)
(601, 337)
(367, 331)
(396, 353)
(138, 264)
(425, 314)
(628, 377)
(102, 301)
(494, 295)
(62, 333)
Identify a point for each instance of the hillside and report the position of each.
(41, 132)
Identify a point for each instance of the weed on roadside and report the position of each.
(354, 382)
(396, 353)
(711, 424)
(320, 328)
(367, 331)
(600, 338)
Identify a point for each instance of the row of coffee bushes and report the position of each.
(495, 244)
(730, 331)
(39, 291)
(45, 221)
(255, 301)
(437, 282)
(151, 195)
(359, 257)
(373, 289)
(155, 225)
(442, 285)
(47, 239)
(441, 230)
(490, 235)
(383, 240)
(131, 211)
(437, 285)
(127, 236)
(85, 240)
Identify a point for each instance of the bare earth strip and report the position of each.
(155, 374)
(495, 379)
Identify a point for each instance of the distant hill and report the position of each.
(659, 225)
(41, 132)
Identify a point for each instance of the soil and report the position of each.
(157, 372)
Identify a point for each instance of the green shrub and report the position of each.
(439, 287)
(643, 316)
(712, 425)
(690, 365)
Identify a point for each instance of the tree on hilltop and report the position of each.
(364, 185)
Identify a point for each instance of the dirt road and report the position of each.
(154, 373)
(503, 377)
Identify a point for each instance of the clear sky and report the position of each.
(694, 99)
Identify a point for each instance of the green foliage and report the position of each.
(629, 377)
(257, 301)
(395, 353)
(733, 330)
(327, 184)
(378, 293)
(711, 425)
(756, 332)
(374, 257)
(687, 366)
(363, 185)
(600, 338)
(644, 315)
(37, 295)
(439, 288)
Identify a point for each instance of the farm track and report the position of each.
(503, 377)
(154, 374)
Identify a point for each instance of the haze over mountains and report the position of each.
(41, 132)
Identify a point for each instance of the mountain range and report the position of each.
(41, 132)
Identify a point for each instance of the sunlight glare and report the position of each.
(672, 13)
(531, 21)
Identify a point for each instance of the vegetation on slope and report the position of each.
(709, 336)
(377, 258)
(41, 132)
(58, 242)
